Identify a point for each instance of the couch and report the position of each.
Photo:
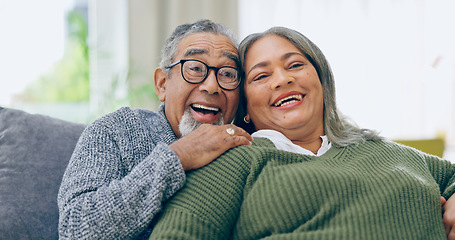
(34, 152)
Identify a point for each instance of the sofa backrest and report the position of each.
(34, 152)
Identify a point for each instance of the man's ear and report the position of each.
(160, 84)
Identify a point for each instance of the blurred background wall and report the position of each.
(129, 34)
(393, 60)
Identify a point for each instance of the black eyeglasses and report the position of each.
(195, 71)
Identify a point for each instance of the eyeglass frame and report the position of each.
(216, 69)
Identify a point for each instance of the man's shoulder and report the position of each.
(137, 112)
(125, 119)
(131, 123)
(128, 115)
(146, 114)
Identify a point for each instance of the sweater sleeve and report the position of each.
(115, 183)
(443, 172)
(208, 206)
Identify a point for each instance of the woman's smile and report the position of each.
(283, 89)
(288, 100)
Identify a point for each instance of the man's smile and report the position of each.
(205, 114)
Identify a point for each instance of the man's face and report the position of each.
(205, 102)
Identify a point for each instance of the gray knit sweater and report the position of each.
(120, 173)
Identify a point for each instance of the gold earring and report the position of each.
(246, 120)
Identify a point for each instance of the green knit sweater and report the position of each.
(375, 190)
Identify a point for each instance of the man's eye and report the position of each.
(229, 73)
(196, 69)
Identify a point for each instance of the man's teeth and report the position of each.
(205, 107)
(288, 100)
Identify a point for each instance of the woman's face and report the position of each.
(283, 89)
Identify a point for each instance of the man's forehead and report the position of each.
(201, 51)
(207, 43)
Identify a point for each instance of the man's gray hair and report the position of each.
(169, 50)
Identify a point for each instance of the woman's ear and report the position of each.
(247, 119)
(160, 84)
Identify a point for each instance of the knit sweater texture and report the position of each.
(120, 173)
(374, 190)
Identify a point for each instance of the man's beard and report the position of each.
(189, 124)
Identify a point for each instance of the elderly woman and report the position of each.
(310, 174)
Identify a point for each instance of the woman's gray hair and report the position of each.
(338, 129)
(169, 50)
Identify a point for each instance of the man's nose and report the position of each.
(210, 84)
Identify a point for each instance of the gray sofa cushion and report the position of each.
(34, 152)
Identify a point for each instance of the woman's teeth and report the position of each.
(288, 100)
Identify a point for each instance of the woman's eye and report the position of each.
(259, 77)
(295, 65)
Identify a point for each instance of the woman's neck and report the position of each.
(313, 144)
(309, 139)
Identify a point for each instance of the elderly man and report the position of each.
(127, 163)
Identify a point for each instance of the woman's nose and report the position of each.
(281, 78)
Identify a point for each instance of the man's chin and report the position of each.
(186, 127)
(206, 117)
(188, 123)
